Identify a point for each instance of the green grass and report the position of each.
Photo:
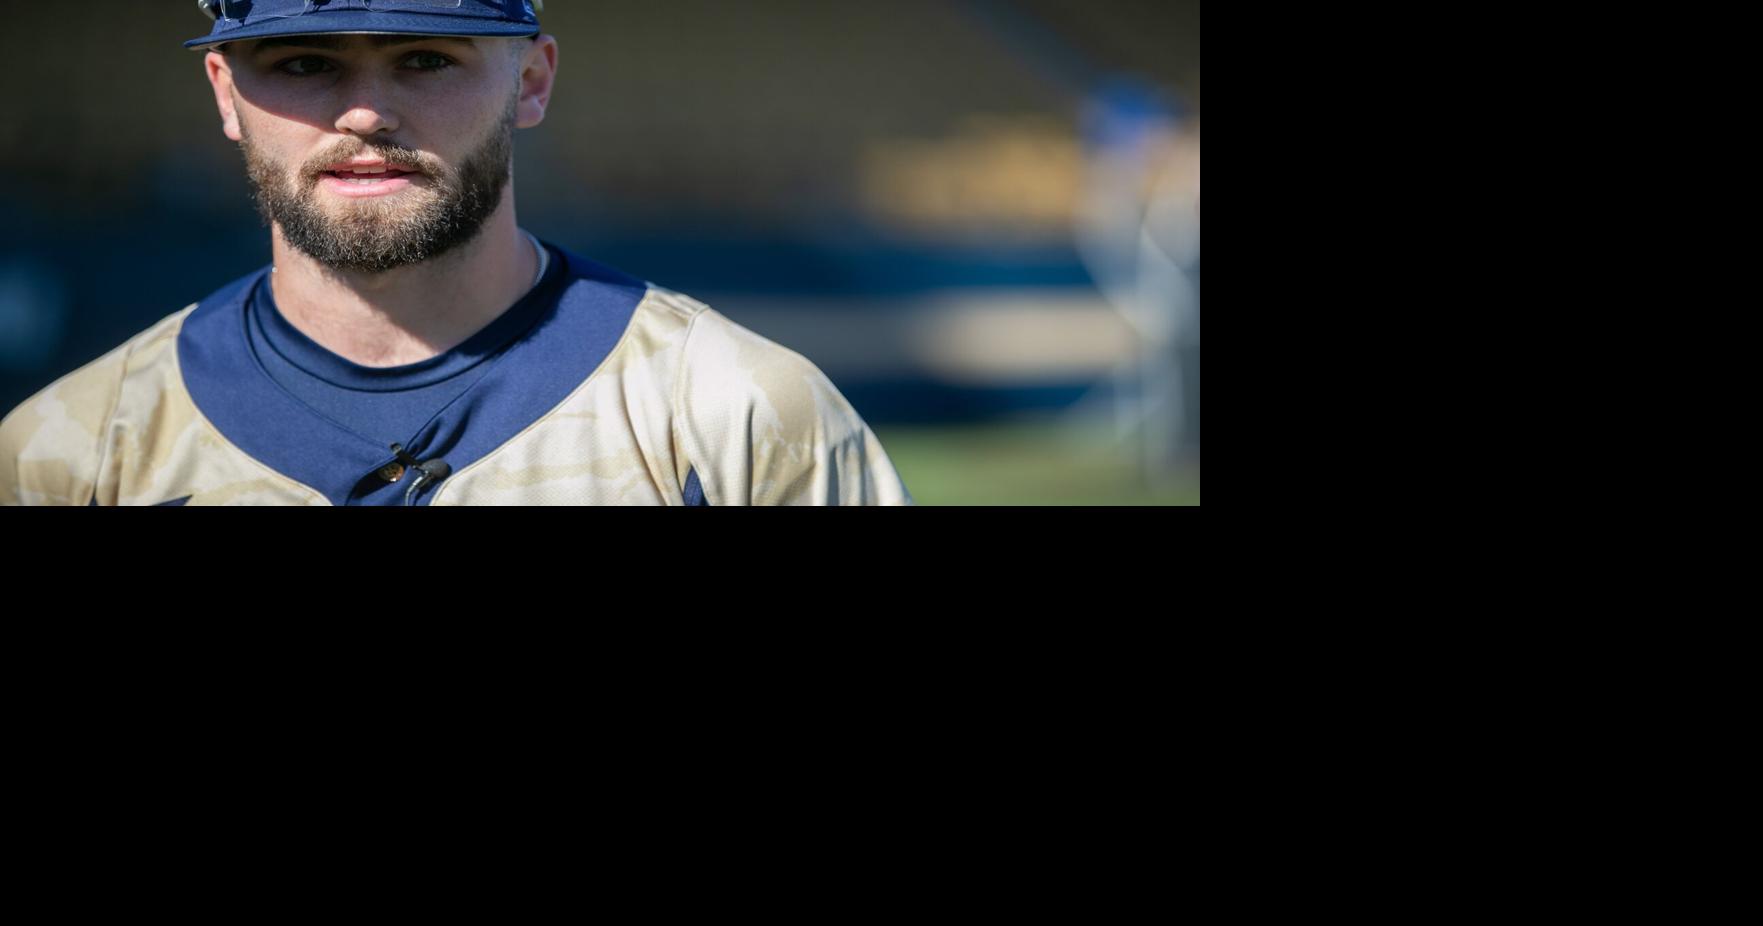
(1029, 463)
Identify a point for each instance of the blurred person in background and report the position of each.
(1138, 232)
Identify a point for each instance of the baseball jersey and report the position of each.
(595, 388)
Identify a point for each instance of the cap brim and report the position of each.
(332, 22)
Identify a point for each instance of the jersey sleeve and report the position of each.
(762, 425)
(51, 445)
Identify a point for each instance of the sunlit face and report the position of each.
(436, 114)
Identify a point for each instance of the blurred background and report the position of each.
(979, 217)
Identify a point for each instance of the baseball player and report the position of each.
(410, 344)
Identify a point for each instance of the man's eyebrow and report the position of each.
(339, 42)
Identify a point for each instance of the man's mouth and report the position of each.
(368, 175)
(367, 178)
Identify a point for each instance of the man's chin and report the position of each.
(370, 218)
(364, 244)
(359, 263)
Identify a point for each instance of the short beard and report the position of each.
(374, 235)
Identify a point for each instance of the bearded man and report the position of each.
(409, 343)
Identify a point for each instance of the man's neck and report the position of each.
(411, 313)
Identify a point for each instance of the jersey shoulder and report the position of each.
(768, 427)
(51, 445)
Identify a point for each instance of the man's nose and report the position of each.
(367, 108)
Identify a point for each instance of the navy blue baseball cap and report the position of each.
(239, 20)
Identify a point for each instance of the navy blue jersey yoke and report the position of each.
(329, 423)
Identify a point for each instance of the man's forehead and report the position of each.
(340, 41)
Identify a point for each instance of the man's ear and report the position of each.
(538, 70)
(220, 77)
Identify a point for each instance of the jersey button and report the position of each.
(392, 472)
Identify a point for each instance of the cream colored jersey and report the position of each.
(622, 393)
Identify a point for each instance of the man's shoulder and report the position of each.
(765, 426)
(61, 426)
(719, 345)
(722, 365)
(756, 421)
(732, 372)
(96, 381)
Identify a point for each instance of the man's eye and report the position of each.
(303, 66)
(430, 61)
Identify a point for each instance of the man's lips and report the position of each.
(356, 173)
(371, 185)
(369, 168)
